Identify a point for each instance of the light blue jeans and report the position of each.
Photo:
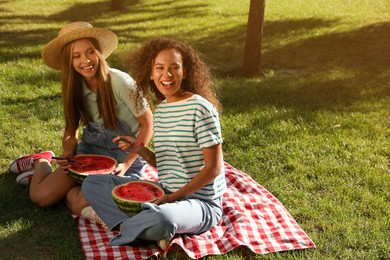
(97, 139)
(155, 222)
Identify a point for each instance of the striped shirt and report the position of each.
(181, 130)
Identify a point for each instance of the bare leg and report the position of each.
(75, 200)
(48, 188)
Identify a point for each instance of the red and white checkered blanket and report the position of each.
(253, 218)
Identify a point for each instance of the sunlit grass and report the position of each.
(313, 128)
(12, 228)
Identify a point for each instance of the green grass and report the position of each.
(313, 128)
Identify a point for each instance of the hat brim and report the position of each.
(51, 52)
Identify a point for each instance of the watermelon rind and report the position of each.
(79, 176)
(132, 207)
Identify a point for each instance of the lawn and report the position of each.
(312, 127)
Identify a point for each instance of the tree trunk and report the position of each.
(254, 35)
(118, 5)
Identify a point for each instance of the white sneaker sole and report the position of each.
(12, 164)
(24, 178)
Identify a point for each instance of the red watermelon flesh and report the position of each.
(138, 191)
(86, 164)
(92, 164)
(130, 195)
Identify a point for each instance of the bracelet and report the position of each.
(139, 143)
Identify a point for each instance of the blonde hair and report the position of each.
(72, 92)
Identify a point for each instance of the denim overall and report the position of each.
(97, 139)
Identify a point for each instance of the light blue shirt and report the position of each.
(122, 86)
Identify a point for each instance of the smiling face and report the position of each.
(168, 73)
(84, 58)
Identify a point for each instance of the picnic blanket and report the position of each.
(253, 218)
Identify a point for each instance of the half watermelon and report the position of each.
(130, 195)
(86, 164)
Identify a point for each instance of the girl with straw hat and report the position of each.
(95, 96)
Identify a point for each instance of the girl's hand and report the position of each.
(64, 163)
(124, 142)
(128, 143)
(166, 198)
(120, 169)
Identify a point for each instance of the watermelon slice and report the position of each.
(86, 164)
(130, 195)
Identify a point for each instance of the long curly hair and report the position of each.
(198, 78)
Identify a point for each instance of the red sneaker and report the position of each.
(24, 178)
(25, 163)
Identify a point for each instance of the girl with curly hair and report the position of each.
(188, 149)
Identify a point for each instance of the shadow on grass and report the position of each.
(302, 79)
(225, 50)
(365, 49)
(31, 102)
(43, 108)
(288, 91)
(21, 226)
(344, 68)
(14, 40)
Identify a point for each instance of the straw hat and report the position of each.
(51, 53)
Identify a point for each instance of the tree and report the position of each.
(118, 5)
(254, 35)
